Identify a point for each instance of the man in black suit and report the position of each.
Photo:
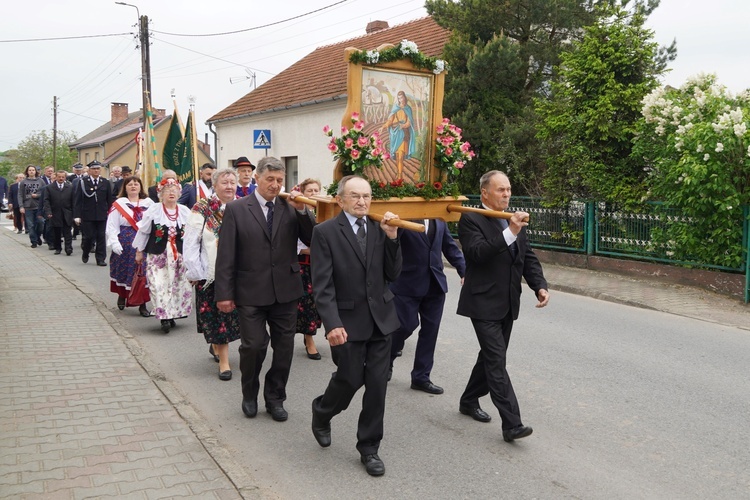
(498, 255)
(77, 173)
(58, 212)
(353, 258)
(125, 172)
(257, 272)
(204, 190)
(74, 179)
(91, 202)
(47, 179)
(420, 295)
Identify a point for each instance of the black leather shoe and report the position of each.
(85, 258)
(427, 387)
(278, 413)
(172, 323)
(322, 432)
(212, 353)
(121, 303)
(399, 353)
(477, 414)
(249, 408)
(143, 311)
(33, 245)
(68, 253)
(101, 264)
(517, 433)
(58, 252)
(165, 325)
(226, 375)
(373, 465)
(390, 373)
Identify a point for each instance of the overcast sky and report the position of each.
(88, 74)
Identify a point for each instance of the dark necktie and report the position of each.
(96, 183)
(513, 247)
(244, 193)
(269, 217)
(431, 230)
(362, 236)
(60, 186)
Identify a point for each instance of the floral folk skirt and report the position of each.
(171, 293)
(217, 327)
(122, 267)
(308, 320)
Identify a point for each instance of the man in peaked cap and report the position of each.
(245, 182)
(92, 199)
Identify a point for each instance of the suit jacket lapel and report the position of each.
(257, 211)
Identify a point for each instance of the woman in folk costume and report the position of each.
(160, 235)
(122, 226)
(201, 243)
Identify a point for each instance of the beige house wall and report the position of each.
(296, 132)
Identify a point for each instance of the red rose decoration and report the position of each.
(438, 186)
(419, 185)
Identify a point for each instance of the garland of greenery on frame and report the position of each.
(404, 50)
(400, 189)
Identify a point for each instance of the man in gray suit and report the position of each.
(257, 272)
(498, 254)
(353, 258)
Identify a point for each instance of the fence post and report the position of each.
(590, 221)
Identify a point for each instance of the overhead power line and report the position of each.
(255, 27)
(62, 38)
(176, 34)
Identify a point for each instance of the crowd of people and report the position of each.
(256, 267)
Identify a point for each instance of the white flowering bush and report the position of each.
(695, 144)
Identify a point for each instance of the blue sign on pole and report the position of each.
(262, 139)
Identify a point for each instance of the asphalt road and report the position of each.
(624, 402)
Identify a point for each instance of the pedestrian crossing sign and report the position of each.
(262, 139)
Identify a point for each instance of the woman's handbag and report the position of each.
(138, 289)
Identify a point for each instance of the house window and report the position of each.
(86, 162)
(292, 172)
(96, 156)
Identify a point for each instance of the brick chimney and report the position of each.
(374, 26)
(119, 112)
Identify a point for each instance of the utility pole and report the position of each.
(145, 65)
(54, 133)
(145, 59)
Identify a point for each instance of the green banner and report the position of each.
(174, 146)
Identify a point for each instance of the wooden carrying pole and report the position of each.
(403, 224)
(487, 213)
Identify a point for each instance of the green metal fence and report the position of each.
(598, 229)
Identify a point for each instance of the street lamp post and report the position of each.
(145, 59)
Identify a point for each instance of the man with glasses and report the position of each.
(353, 258)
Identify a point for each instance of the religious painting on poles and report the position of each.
(398, 106)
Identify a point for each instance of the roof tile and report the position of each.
(321, 75)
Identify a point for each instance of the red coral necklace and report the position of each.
(171, 217)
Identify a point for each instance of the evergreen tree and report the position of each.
(501, 55)
(589, 122)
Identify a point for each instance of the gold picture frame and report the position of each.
(403, 104)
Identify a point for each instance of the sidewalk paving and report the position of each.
(84, 413)
(79, 416)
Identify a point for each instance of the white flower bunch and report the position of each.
(408, 47)
(439, 66)
(373, 56)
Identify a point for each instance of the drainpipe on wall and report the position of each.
(216, 143)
